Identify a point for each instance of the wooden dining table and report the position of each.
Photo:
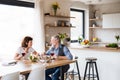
(25, 66)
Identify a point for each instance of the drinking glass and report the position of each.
(23, 54)
(52, 54)
(42, 58)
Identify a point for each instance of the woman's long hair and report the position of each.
(26, 40)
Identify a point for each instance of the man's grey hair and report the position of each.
(57, 37)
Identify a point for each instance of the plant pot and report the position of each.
(55, 12)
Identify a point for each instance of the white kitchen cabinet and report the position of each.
(107, 21)
(111, 20)
(116, 20)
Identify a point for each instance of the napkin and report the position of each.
(7, 63)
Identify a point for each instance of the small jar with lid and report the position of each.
(93, 25)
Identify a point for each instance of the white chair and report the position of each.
(11, 76)
(37, 73)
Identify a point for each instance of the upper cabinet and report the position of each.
(111, 20)
(116, 20)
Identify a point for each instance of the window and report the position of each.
(15, 23)
(78, 22)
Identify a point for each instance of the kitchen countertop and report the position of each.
(97, 48)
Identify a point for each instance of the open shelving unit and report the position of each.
(95, 23)
(55, 24)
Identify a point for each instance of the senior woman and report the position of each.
(25, 49)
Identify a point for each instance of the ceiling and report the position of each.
(88, 1)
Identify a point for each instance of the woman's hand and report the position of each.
(18, 56)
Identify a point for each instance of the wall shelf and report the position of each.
(61, 26)
(59, 16)
(95, 27)
(94, 19)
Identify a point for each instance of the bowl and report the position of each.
(85, 46)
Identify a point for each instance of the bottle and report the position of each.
(55, 23)
(93, 25)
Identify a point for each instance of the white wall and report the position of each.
(107, 35)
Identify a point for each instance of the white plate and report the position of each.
(7, 63)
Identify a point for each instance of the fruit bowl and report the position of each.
(85, 42)
(85, 46)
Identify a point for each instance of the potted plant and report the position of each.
(33, 58)
(68, 41)
(80, 38)
(117, 37)
(55, 6)
(62, 37)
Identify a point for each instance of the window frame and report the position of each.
(83, 12)
(17, 3)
